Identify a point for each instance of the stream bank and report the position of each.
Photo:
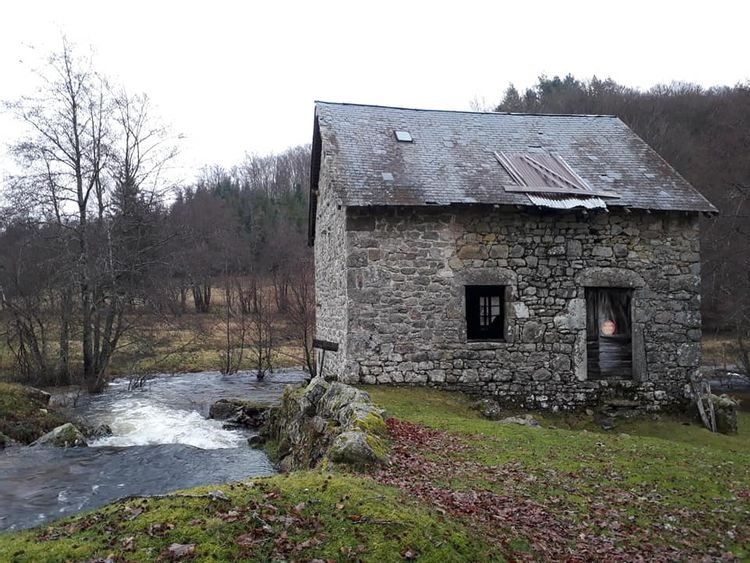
(161, 441)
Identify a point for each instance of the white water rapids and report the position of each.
(140, 422)
(161, 441)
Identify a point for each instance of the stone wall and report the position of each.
(330, 271)
(406, 272)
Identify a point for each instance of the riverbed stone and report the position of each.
(5, 441)
(64, 436)
(223, 409)
(42, 396)
(101, 431)
(256, 441)
(238, 413)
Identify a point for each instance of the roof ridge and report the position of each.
(466, 111)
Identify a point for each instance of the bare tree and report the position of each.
(262, 332)
(302, 310)
(235, 326)
(92, 162)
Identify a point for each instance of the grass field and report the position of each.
(662, 488)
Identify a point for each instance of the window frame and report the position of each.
(473, 294)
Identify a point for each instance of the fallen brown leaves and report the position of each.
(424, 462)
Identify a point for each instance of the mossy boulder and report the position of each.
(65, 436)
(725, 413)
(326, 420)
(725, 410)
(355, 448)
(25, 414)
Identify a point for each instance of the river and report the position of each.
(161, 441)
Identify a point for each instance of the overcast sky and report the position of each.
(237, 77)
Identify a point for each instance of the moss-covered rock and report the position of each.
(64, 436)
(25, 414)
(326, 420)
(489, 408)
(356, 448)
(725, 410)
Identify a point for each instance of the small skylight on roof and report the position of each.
(403, 136)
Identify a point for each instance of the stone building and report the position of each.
(548, 260)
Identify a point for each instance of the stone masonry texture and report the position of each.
(390, 290)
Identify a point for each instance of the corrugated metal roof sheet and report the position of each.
(562, 202)
(451, 158)
(542, 171)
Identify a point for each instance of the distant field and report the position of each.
(188, 343)
(719, 349)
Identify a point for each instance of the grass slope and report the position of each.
(302, 516)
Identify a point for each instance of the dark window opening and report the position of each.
(609, 333)
(485, 312)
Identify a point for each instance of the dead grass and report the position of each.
(188, 343)
(719, 349)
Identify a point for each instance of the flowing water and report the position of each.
(161, 441)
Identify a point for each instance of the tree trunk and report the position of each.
(66, 311)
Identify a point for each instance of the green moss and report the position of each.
(378, 445)
(372, 423)
(24, 417)
(271, 447)
(322, 516)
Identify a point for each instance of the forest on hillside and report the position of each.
(100, 254)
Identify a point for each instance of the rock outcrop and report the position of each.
(326, 421)
(65, 436)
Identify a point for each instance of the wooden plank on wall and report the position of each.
(640, 367)
(326, 345)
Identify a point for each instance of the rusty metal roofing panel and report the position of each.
(452, 159)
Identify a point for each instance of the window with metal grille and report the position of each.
(485, 312)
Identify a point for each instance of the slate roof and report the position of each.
(452, 158)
